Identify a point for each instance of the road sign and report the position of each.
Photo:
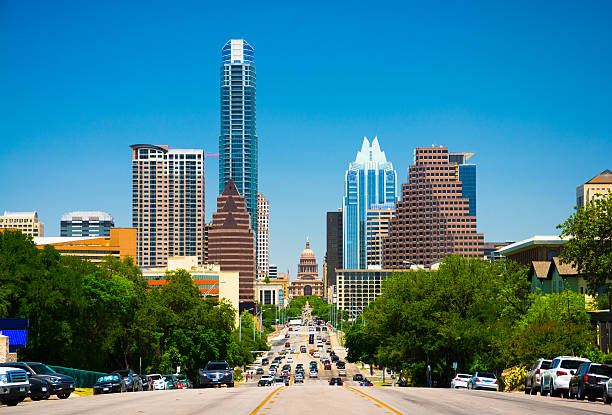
(455, 365)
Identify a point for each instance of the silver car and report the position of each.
(534, 376)
(483, 380)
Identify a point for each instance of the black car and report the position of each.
(112, 383)
(57, 383)
(263, 382)
(133, 382)
(340, 364)
(39, 389)
(265, 361)
(259, 371)
(358, 377)
(216, 373)
(589, 380)
(335, 381)
(334, 358)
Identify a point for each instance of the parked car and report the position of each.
(589, 381)
(39, 389)
(156, 382)
(58, 384)
(483, 380)
(183, 382)
(607, 392)
(133, 382)
(14, 385)
(217, 373)
(556, 379)
(112, 383)
(336, 381)
(534, 375)
(460, 381)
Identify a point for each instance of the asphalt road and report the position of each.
(315, 396)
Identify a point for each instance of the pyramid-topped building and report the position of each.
(230, 240)
(595, 188)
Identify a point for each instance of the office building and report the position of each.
(207, 227)
(377, 229)
(466, 174)
(595, 188)
(307, 282)
(369, 180)
(272, 271)
(121, 243)
(26, 222)
(263, 236)
(238, 139)
(489, 248)
(231, 240)
(167, 203)
(432, 220)
(209, 278)
(91, 223)
(269, 293)
(333, 255)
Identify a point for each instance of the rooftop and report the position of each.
(33, 215)
(88, 215)
(537, 240)
(605, 177)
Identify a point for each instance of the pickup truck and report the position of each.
(14, 385)
(216, 373)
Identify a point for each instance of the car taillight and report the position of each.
(537, 372)
(496, 381)
(476, 380)
(457, 379)
(561, 373)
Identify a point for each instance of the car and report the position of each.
(14, 385)
(265, 380)
(217, 373)
(460, 381)
(327, 366)
(287, 344)
(314, 374)
(334, 358)
(303, 349)
(39, 389)
(112, 383)
(341, 372)
(365, 382)
(279, 382)
(318, 336)
(132, 381)
(589, 381)
(336, 381)
(298, 378)
(340, 364)
(265, 361)
(316, 355)
(532, 379)
(58, 384)
(290, 359)
(171, 381)
(556, 379)
(287, 336)
(324, 328)
(259, 371)
(183, 382)
(358, 377)
(156, 382)
(483, 380)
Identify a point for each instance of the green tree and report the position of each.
(589, 246)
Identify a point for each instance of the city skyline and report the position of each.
(528, 127)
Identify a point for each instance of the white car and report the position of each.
(279, 382)
(556, 379)
(341, 372)
(314, 374)
(272, 371)
(460, 381)
(290, 359)
(157, 382)
(483, 380)
(316, 355)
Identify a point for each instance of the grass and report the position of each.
(83, 391)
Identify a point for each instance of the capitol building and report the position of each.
(308, 281)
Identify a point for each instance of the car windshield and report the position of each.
(486, 375)
(41, 369)
(570, 364)
(108, 378)
(168, 378)
(122, 373)
(604, 370)
(217, 366)
(154, 377)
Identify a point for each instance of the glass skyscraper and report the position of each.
(466, 174)
(238, 140)
(370, 180)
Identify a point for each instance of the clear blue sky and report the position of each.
(525, 86)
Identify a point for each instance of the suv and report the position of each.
(532, 380)
(556, 379)
(216, 373)
(57, 383)
(133, 382)
(14, 385)
(589, 380)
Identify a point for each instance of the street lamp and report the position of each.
(240, 325)
(205, 293)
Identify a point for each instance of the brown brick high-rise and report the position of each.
(231, 242)
(432, 219)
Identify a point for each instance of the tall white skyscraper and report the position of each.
(263, 236)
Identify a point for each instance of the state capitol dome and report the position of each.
(307, 253)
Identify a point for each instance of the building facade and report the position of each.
(595, 188)
(263, 236)
(333, 255)
(466, 174)
(211, 281)
(26, 222)
(536, 248)
(377, 229)
(369, 180)
(238, 156)
(307, 282)
(432, 220)
(167, 203)
(231, 240)
(207, 227)
(269, 293)
(121, 243)
(273, 271)
(91, 223)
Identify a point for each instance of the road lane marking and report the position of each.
(266, 400)
(374, 399)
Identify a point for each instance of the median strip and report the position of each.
(374, 399)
